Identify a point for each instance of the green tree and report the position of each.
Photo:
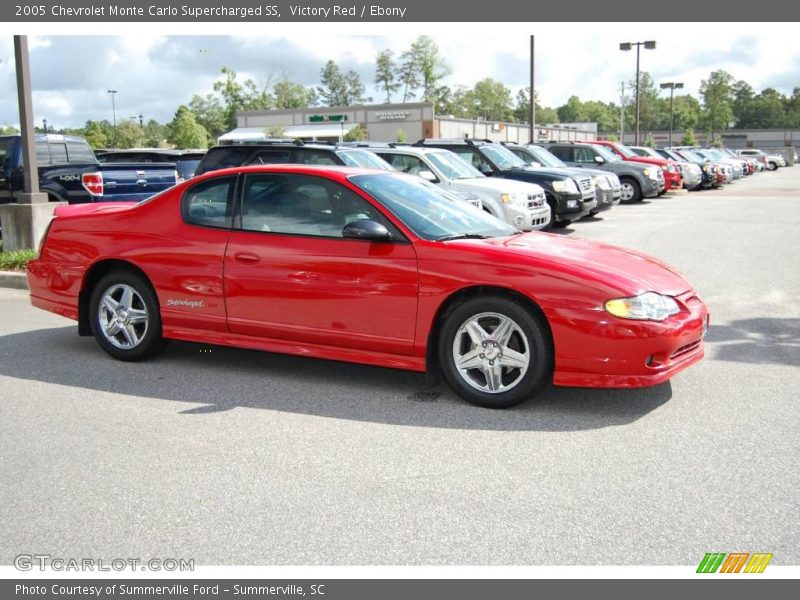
(522, 111)
(332, 90)
(716, 93)
(453, 102)
(354, 90)
(210, 113)
(491, 100)
(572, 112)
(431, 67)
(240, 96)
(408, 75)
(9, 130)
(686, 113)
(130, 135)
(185, 131)
(689, 138)
(96, 135)
(355, 135)
(292, 95)
(769, 109)
(650, 141)
(386, 73)
(401, 136)
(275, 131)
(155, 134)
(742, 104)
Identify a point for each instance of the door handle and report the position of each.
(246, 257)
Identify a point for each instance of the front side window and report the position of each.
(503, 157)
(561, 153)
(303, 205)
(583, 154)
(209, 203)
(364, 159)
(405, 163)
(453, 166)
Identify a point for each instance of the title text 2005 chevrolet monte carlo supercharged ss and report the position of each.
(368, 267)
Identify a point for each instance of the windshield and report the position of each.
(625, 151)
(426, 211)
(606, 153)
(362, 158)
(544, 156)
(453, 167)
(502, 157)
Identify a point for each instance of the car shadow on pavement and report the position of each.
(214, 379)
(759, 340)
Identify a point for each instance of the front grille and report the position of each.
(684, 350)
(536, 200)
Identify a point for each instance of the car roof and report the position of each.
(338, 172)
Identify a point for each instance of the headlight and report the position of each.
(650, 173)
(649, 306)
(513, 198)
(565, 185)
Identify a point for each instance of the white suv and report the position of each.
(520, 204)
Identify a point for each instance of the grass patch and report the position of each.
(17, 260)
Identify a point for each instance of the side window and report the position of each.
(209, 203)
(473, 158)
(405, 163)
(583, 155)
(302, 205)
(79, 153)
(58, 154)
(43, 154)
(561, 152)
(315, 157)
(3, 152)
(270, 157)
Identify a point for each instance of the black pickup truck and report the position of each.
(70, 172)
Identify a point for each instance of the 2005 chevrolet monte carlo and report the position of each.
(368, 267)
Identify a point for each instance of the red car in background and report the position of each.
(673, 180)
(369, 267)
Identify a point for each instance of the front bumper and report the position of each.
(527, 219)
(595, 349)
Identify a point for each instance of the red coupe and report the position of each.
(367, 267)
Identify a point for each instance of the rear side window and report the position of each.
(224, 157)
(80, 153)
(316, 157)
(58, 154)
(209, 203)
(560, 152)
(270, 157)
(405, 163)
(43, 154)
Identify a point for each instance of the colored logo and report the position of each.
(734, 562)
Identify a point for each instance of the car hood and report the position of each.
(494, 186)
(629, 272)
(650, 160)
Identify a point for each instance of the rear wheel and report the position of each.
(495, 352)
(631, 190)
(773, 166)
(125, 317)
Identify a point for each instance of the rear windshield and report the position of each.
(225, 157)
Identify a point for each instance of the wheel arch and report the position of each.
(468, 293)
(93, 275)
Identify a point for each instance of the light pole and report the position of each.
(622, 101)
(671, 86)
(44, 122)
(114, 113)
(650, 45)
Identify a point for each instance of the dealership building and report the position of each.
(388, 123)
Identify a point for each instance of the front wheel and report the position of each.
(773, 166)
(495, 352)
(125, 317)
(631, 190)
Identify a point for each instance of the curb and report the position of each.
(14, 280)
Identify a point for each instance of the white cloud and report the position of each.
(154, 72)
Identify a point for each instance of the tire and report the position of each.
(631, 190)
(773, 166)
(127, 296)
(470, 329)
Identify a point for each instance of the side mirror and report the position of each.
(534, 164)
(599, 160)
(364, 229)
(428, 176)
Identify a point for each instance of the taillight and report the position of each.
(93, 183)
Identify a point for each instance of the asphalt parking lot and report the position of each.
(236, 457)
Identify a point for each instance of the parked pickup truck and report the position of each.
(70, 172)
(186, 161)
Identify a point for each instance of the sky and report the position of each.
(154, 73)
